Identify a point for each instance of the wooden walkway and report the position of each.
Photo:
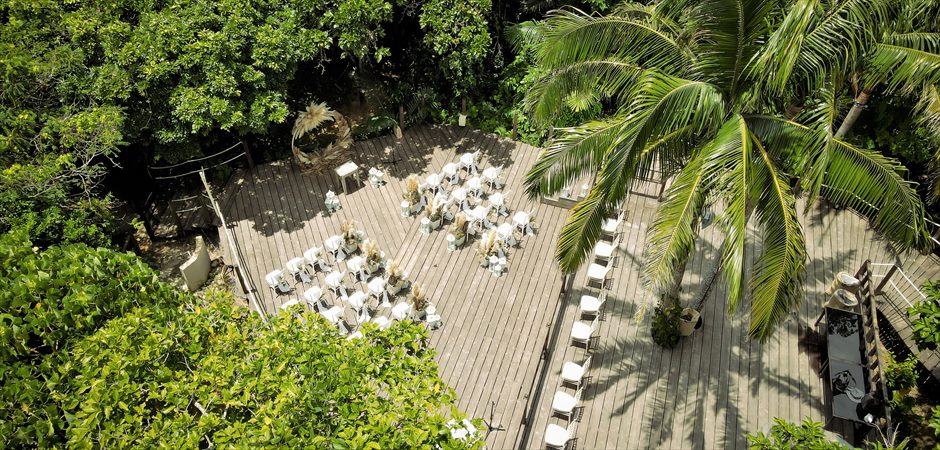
(706, 393)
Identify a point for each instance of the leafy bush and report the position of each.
(901, 375)
(665, 325)
(96, 352)
(925, 316)
(934, 423)
(786, 436)
(375, 126)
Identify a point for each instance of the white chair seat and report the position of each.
(572, 372)
(603, 249)
(274, 277)
(313, 294)
(356, 266)
(357, 300)
(290, 303)
(581, 331)
(589, 304)
(356, 335)
(597, 271)
(610, 225)
(564, 402)
(382, 322)
(333, 314)
(401, 311)
(556, 436)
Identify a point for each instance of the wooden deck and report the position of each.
(706, 393)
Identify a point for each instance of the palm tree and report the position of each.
(686, 89)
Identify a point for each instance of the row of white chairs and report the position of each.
(573, 373)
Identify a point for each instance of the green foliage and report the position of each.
(457, 32)
(934, 423)
(665, 325)
(96, 352)
(375, 126)
(786, 436)
(925, 316)
(901, 375)
(53, 200)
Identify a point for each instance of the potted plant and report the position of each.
(665, 324)
(412, 193)
(489, 246)
(418, 300)
(373, 255)
(687, 321)
(458, 229)
(394, 278)
(435, 212)
(352, 236)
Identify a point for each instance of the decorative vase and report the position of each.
(393, 289)
(687, 321)
(435, 224)
(459, 241)
(351, 247)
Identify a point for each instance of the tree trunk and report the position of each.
(672, 297)
(861, 102)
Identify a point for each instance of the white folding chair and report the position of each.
(573, 373)
(564, 403)
(382, 322)
(314, 257)
(377, 288)
(610, 226)
(334, 245)
(591, 305)
(359, 303)
(469, 161)
(401, 311)
(452, 172)
(604, 250)
(333, 314)
(581, 333)
(597, 272)
(298, 268)
(313, 296)
(504, 232)
(357, 268)
(275, 280)
(498, 202)
(334, 280)
(558, 437)
(491, 176)
(289, 303)
(475, 187)
(459, 196)
(522, 221)
(433, 183)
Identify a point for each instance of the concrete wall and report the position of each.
(196, 269)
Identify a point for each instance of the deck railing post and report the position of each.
(401, 117)
(880, 289)
(251, 161)
(515, 125)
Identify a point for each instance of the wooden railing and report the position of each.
(872, 337)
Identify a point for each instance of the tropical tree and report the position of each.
(705, 91)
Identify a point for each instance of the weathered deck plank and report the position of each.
(708, 392)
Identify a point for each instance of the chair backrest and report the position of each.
(577, 395)
(572, 429)
(594, 324)
(586, 364)
(601, 300)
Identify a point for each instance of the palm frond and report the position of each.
(906, 63)
(730, 163)
(575, 152)
(873, 184)
(668, 103)
(525, 35)
(581, 230)
(609, 77)
(671, 236)
(572, 36)
(735, 29)
(776, 284)
(815, 38)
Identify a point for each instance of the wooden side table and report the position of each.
(348, 168)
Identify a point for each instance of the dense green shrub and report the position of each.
(787, 436)
(925, 316)
(375, 126)
(96, 352)
(901, 375)
(665, 325)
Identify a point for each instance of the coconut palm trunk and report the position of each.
(858, 106)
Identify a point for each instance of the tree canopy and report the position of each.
(716, 95)
(96, 352)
